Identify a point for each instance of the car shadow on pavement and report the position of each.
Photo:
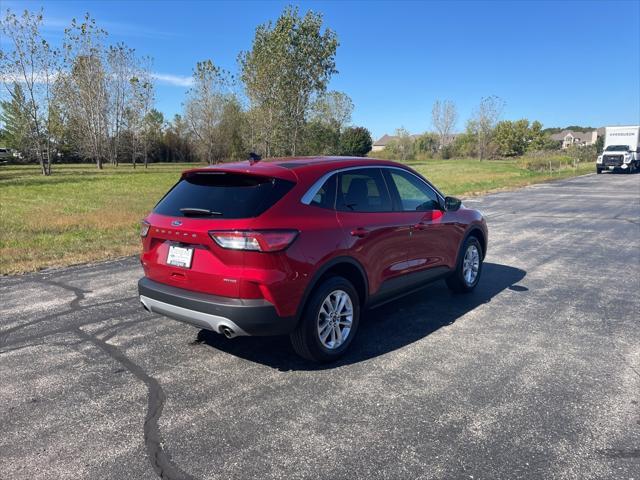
(384, 329)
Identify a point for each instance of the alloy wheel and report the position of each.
(335, 319)
(471, 264)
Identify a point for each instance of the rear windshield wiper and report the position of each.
(194, 212)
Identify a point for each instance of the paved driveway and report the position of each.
(535, 375)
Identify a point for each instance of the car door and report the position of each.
(373, 232)
(429, 245)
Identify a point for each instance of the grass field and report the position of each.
(80, 214)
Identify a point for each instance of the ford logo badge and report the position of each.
(176, 223)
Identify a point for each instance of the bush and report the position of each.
(355, 141)
(320, 139)
(544, 161)
(587, 153)
(426, 145)
(465, 145)
(447, 152)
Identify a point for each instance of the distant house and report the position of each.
(568, 138)
(384, 140)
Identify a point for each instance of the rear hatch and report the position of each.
(178, 249)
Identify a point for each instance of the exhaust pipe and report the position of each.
(144, 305)
(227, 332)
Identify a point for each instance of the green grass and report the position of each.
(470, 177)
(80, 214)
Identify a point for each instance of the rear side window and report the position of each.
(363, 190)
(326, 196)
(225, 195)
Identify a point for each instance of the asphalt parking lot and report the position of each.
(534, 375)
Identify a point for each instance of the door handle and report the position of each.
(360, 232)
(420, 226)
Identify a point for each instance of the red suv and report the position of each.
(302, 246)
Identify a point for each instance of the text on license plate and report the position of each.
(180, 256)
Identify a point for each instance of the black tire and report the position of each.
(456, 281)
(306, 338)
(598, 171)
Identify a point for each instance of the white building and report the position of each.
(568, 137)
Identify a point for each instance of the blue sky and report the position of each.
(558, 62)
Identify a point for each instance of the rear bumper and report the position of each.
(212, 312)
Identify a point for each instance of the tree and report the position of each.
(355, 141)
(212, 113)
(427, 143)
(144, 99)
(444, 116)
(320, 138)
(152, 126)
(328, 116)
(516, 138)
(537, 139)
(333, 109)
(16, 130)
(176, 140)
(466, 144)
(289, 63)
(512, 138)
(402, 147)
(484, 121)
(83, 88)
(232, 131)
(32, 63)
(59, 134)
(136, 114)
(123, 67)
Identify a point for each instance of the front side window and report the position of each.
(414, 194)
(363, 190)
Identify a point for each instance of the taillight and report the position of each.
(256, 240)
(144, 228)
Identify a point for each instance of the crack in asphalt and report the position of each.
(160, 460)
(619, 452)
(66, 329)
(78, 292)
(74, 305)
(4, 334)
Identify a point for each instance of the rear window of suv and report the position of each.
(224, 194)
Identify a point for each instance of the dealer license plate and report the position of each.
(180, 256)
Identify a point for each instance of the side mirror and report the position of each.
(451, 204)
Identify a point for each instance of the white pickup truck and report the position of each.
(621, 151)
